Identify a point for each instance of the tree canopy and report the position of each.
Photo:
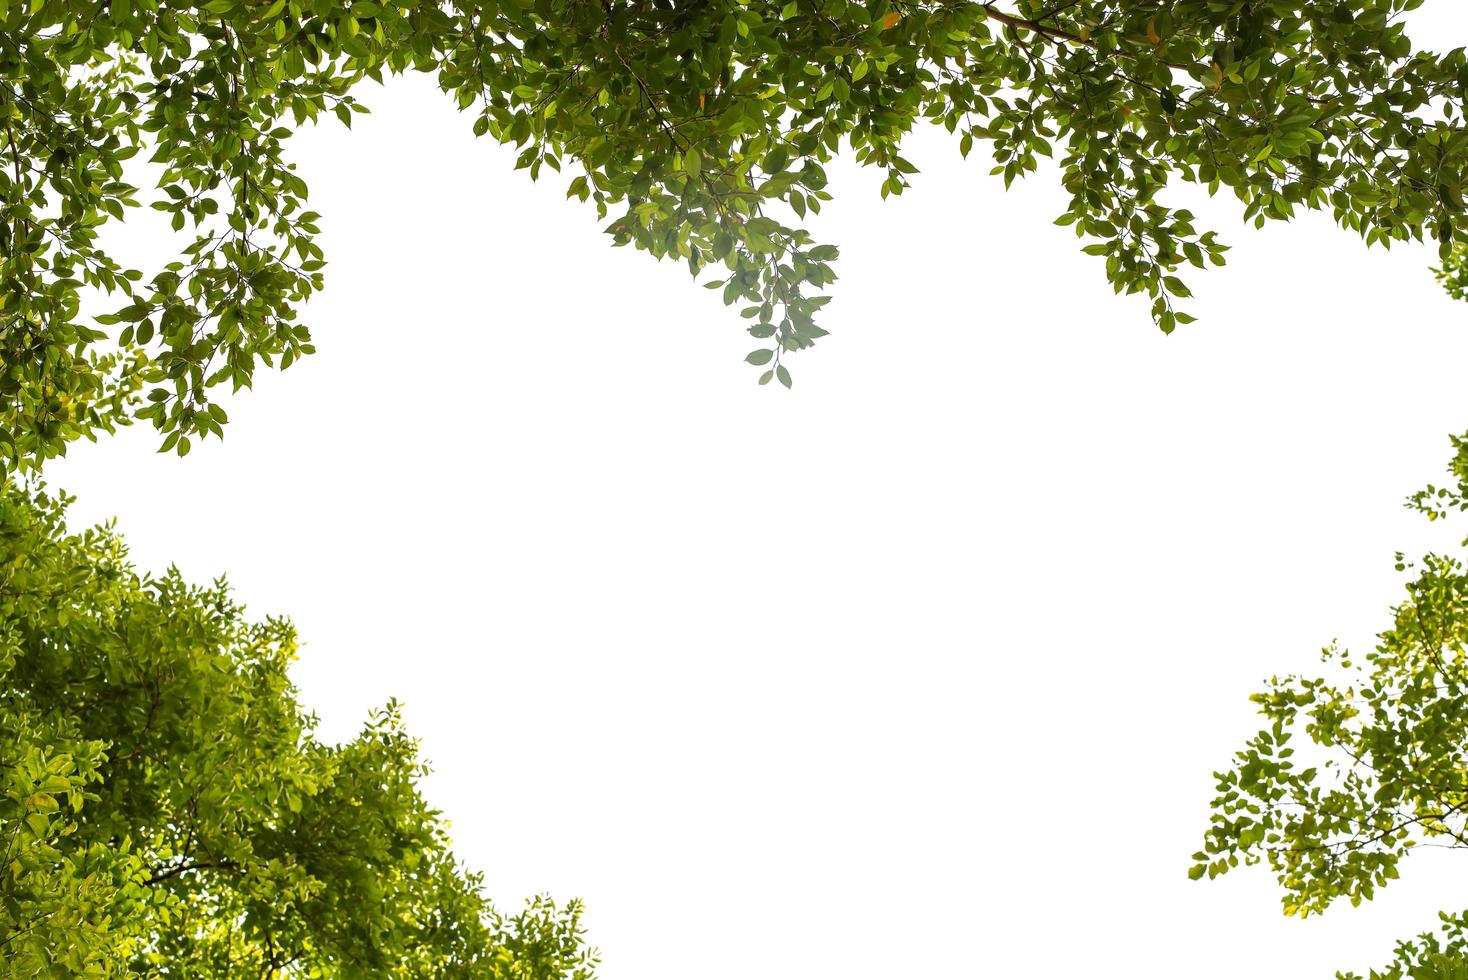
(165, 810)
(1382, 767)
(699, 131)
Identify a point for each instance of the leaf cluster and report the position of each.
(1382, 763)
(700, 132)
(166, 811)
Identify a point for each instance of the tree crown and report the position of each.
(1382, 767)
(701, 131)
(165, 809)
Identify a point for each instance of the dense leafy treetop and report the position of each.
(165, 811)
(701, 130)
(1382, 763)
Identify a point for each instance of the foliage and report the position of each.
(1453, 273)
(1383, 765)
(701, 130)
(165, 810)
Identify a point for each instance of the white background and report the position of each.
(920, 669)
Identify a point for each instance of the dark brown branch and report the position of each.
(1058, 34)
(187, 866)
(1019, 23)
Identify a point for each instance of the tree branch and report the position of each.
(1059, 34)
